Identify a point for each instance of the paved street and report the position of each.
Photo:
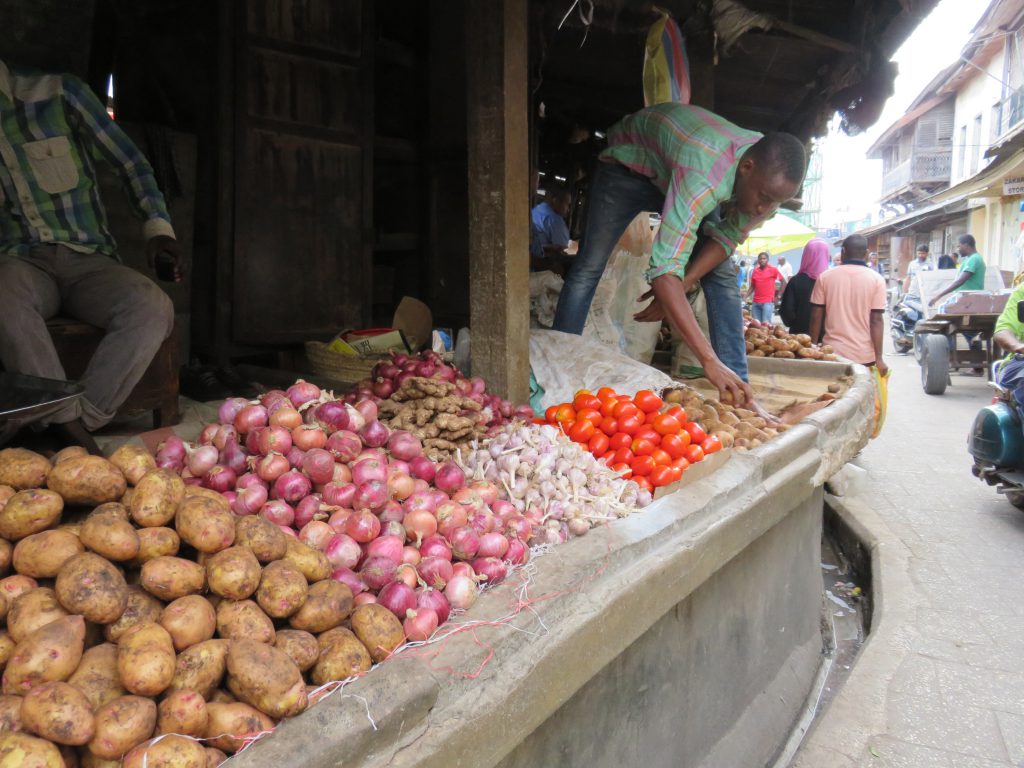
(940, 683)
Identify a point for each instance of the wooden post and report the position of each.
(499, 214)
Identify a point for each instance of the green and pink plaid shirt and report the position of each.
(691, 155)
(52, 131)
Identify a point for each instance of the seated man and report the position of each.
(848, 302)
(1009, 335)
(57, 254)
(549, 232)
(970, 270)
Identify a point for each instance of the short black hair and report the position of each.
(743, 262)
(855, 246)
(923, 248)
(765, 254)
(781, 152)
(557, 192)
(968, 240)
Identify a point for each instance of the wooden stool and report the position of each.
(157, 390)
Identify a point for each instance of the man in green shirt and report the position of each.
(1009, 334)
(970, 270)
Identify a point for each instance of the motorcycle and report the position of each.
(996, 443)
(901, 324)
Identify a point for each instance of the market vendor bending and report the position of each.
(57, 254)
(706, 176)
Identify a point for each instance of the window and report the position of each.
(961, 169)
(975, 144)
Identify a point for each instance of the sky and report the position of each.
(851, 184)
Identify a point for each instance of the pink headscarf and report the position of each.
(814, 260)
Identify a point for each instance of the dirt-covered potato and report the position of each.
(49, 654)
(71, 452)
(13, 587)
(167, 752)
(327, 604)
(156, 542)
(378, 629)
(189, 620)
(312, 562)
(87, 480)
(141, 606)
(10, 713)
(156, 498)
(283, 589)
(19, 750)
(58, 712)
(233, 573)
(205, 524)
(184, 712)
(97, 676)
(22, 469)
(341, 658)
(265, 677)
(92, 586)
(194, 491)
(32, 610)
(145, 659)
(30, 511)
(230, 724)
(300, 646)
(5, 493)
(108, 535)
(214, 757)
(121, 725)
(201, 667)
(266, 540)
(172, 577)
(43, 554)
(134, 461)
(243, 620)
(7, 646)
(6, 554)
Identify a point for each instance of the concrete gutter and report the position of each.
(751, 529)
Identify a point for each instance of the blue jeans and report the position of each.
(616, 197)
(1011, 376)
(763, 312)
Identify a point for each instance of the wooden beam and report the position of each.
(499, 213)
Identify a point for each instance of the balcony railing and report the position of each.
(1010, 111)
(923, 168)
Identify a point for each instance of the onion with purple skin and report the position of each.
(518, 527)
(482, 521)
(220, 479)
(292, 487)
(369, 469)
(209, 432)
(504, 510)
(234, 457)
(250, 479)
(278, 512)
(386, 546)
(418, 524)
(435, 546)
(272, 396)
(491, 569)
(318, 464)
(308, 510)
(398, 597)
(249, 500)
(338, 495)
(492, 545)
(364, 598)
(400, 486)
(339, 518)
(331, 416)
(465, 543)
(377, 571)
(420, 624)
(392, 511)
(373, 434)
(410, 555)
(486, 490)
(363, 526)
(460, 591)
(518, 553)
(302, 392)
(449, 477)
(295, 457)
(274, 439)
(372, 495)
(307, 436)
(349, 578)
(367, 409)
(343, 551)
(405, 446)
(271, 467)
(229, 409)
(249, 418)
(356, 421)
(420, 501)
(434, 599)
(392, 528)
(343, 445)
(315, 534)
(435, 571)
(285, 416)
(383, 388)
(251, 447)
(202, 459)
(451, 516)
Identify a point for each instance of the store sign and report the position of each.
(1013, 185)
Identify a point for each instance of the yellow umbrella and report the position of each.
(780, 233)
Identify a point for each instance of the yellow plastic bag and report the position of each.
(881, 399)
(666, 73)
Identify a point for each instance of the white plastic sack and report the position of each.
(544, 290)
(610, 320)
(564, 363)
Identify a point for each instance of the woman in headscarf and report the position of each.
(795, 309)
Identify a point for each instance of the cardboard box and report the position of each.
(411, 329)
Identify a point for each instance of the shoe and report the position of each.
(200, 382)
(239, 386)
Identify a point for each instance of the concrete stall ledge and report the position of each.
(686, 634)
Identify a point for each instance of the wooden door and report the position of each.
(303, 160)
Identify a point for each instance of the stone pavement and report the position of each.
(940, 681)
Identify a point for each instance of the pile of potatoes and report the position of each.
(139, 612)
(737, 428)
(766, 341)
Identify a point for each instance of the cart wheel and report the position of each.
(1016, 498)
(919, 347)
(902, 346)
(935, 364)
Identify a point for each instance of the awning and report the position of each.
(920, 216)
(988, 183)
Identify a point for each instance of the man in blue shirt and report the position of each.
(549, 232)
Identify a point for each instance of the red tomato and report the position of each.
(678, 411)
(642, 447)
(619, 440)
(660, 476)
(667, 425)
(598, 444)
(606, 392)
(697, 433)
(537, 421)
(591, 415)
(642, 465)
(673, 445)
(681, 464)
(644, 483)
(582, 431)
(608, 408)
(649, 418)
(551, 414)
(585, 401)
(629, 424)
(623, 470)
(623, 456)
(565, 413)
(694, 454)
(608, 425)
(661, 457)
(650, 434)
(712, 445)
(624, 409)
(647, 401)
(677, 473)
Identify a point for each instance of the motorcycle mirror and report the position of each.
(1020, 311)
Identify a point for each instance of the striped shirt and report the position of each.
(53, 130)
(691, 155)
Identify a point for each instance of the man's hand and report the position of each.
(882, 367)
(162, 244)
(653, 312)
(731, 388)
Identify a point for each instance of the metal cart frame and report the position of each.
(936, 351)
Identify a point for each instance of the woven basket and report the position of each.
(326, 362)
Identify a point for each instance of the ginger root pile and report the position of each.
(434, 412)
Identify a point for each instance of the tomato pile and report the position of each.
(639, 437)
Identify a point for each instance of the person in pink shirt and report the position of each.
(763, 280)
(848, 303)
